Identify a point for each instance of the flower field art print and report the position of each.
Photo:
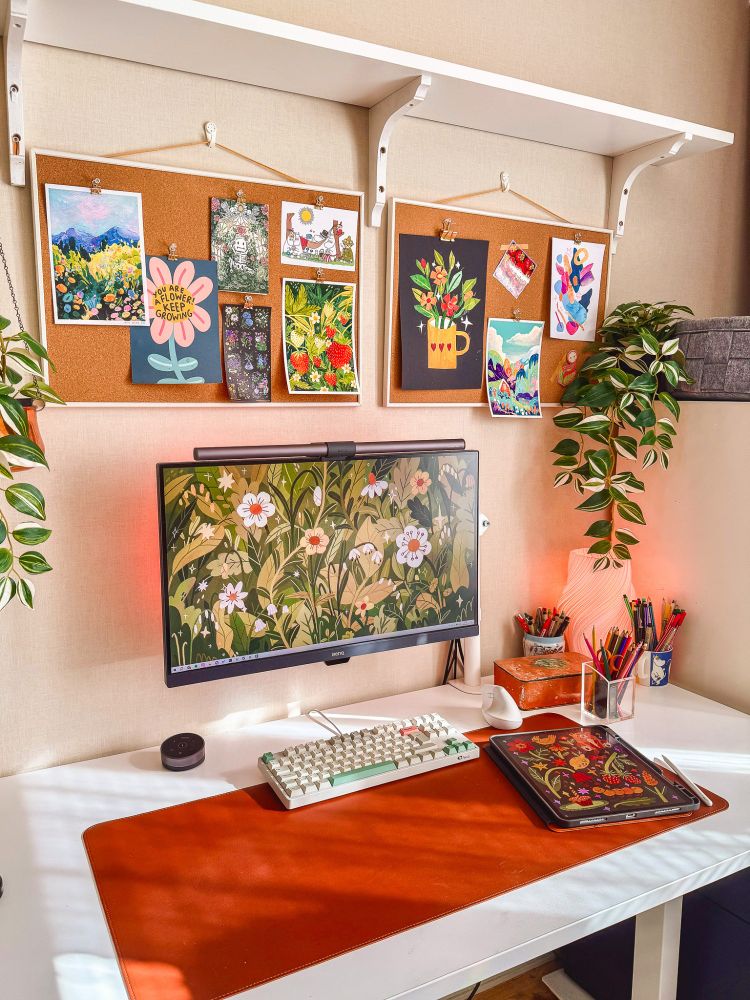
(181, 345)
(267, 557)
(319, 350)
(96, 256)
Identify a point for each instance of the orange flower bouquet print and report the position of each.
(441, 294)
(319, 350)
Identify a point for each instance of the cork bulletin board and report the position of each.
(423, 219)
(92, 363)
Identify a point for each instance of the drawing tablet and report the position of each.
(586, 775)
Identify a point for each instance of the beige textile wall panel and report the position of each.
(82, 675)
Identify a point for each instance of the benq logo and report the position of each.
(338, 652)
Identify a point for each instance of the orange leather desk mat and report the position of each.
(213, 897)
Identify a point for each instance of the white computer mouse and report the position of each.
(499, 709)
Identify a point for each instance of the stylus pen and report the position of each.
(691, 784)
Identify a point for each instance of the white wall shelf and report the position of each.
(227, 44)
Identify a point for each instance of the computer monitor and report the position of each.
(269, 564)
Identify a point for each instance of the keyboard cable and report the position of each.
(328, 724)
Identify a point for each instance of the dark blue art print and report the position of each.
(181, 345)
(247, 353)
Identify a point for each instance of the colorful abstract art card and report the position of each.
(513, 355)
(576, 280)
(441, 293)
(181, 346)
(96, 255)
(239, 245)
(515, 270)
(318, 236)
(247, 353)
(319, 350)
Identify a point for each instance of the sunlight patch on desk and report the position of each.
(88, 977)
(708, 761)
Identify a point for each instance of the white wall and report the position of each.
(82, 675)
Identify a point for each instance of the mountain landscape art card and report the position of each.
(441, 294)
(239, 245)
(576, 280)
(513, 353)
(181, 345)
(247, 353)
(96, 256)
(319, 350)
(317, 236)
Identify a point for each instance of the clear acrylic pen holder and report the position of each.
(606, 701)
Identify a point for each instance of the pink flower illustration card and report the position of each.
(181, 344)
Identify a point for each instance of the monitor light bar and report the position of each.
(331, 450)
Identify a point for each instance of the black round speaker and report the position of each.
(183, 751)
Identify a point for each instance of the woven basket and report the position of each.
(717, 353)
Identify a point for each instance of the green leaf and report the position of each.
(4, 323)
(26, 593)
(566, 462)
(29, 533)
(643, 383)
(672, 372)
(562, 478)
(600, 461)
(600, 548)
(633, 353)
(620, 551)
(567, 418)
(670, 346)
(666, 424)
(664, 459)
(24, 361)
(594, 422)
(7, 590)
(33, 345)
(597, 501)
(3, 532)
(6, 560)
(649, 437)
(601, 563)
(671, 404)
(650, 343)
(421, 282)
(26, 499)
(600, 529)
(646, 418)
(623, 535)
(649, 458)
(568, 446)
(160, 363)
(14, 416)
(22, 450)
(187, 364)
(665, 441)
(630, 511)
(598, 396)
(42, 390)
(34, 562)
(626, 446)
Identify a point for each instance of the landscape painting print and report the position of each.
(319, 351)
(239, 245)
(181, 345)
(441, 295)
(277, 556)
(576, 280)
(96, 256)
(513, 354)
(318, 236)
(247, 353)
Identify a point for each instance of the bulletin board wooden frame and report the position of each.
(165, 191)
(426, 219)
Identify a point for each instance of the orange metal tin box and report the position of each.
(541, 681)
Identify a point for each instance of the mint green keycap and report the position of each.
(450, 748)
(362, 772)
(267, 757)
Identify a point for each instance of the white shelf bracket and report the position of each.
(627, 166)
(383, 118)
(13, 35)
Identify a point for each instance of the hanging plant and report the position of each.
(22, 506)
(620, 408)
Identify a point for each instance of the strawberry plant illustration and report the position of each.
(319, 337)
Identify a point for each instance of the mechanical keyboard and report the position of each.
(349, 762)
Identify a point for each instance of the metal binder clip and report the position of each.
(248, 302)
(172, 251)
(241, 199)
(448, 235)
(320, 201)
(516, 314)
(96, 186)
(318, 275)
(577, 238)
(210, 129)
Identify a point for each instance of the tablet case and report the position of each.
(212, 897)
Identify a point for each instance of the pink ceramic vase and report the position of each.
(593, 599)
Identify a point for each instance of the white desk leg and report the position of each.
(657, 952)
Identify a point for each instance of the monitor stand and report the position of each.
(468, 653)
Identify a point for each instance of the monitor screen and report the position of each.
(271, 564)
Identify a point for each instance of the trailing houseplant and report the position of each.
(22, 506)
(620, 408)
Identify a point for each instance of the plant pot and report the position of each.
(441, 345)
(593, 599)
(34, 432)
(717, 356)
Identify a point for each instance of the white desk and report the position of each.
(54, 944)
